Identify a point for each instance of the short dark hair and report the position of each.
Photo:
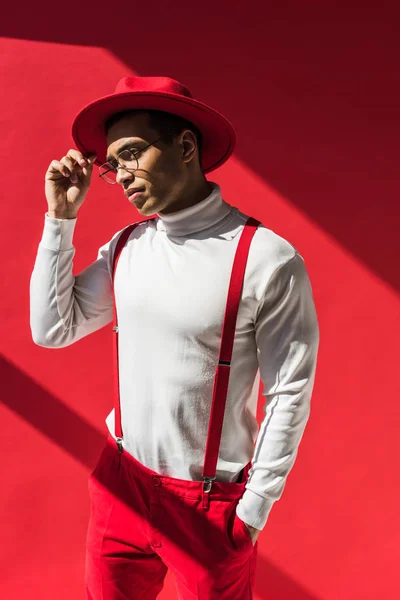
(166, 124)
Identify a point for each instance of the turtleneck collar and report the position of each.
(204, 214)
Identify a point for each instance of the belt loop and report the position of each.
(207, 484)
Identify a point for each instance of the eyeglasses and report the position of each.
(127, 159)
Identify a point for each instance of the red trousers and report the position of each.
(143, 524)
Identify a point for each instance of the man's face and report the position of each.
(161, 172)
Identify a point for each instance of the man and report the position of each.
(156, 501)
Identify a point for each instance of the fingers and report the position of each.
(71, 168)
(78, 157)
(56, 170)
(73, 165)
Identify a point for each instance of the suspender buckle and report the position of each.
(119, 444)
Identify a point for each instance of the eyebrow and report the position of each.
(131, 144)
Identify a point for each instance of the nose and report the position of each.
(123, 175)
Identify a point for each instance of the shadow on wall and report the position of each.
(312, 93)
(83, 442)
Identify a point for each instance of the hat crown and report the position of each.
(151, 84)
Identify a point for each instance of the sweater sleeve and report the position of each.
(287, 339)
(64, 308)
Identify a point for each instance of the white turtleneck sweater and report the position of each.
(171, 289)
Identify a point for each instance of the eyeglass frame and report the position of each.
(119, 166)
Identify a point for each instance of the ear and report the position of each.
(188, 144)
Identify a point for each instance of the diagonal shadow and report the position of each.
(316, 119)
(51, 417)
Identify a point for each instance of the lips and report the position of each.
(132, 191)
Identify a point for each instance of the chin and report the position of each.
(146, 210)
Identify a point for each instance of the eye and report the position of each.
(128, 155)
(135, 153)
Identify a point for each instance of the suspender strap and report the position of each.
(221, 380)
(117, 404)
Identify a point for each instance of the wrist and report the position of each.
(58, 215)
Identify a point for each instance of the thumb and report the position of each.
(88, 169)
(90, 164)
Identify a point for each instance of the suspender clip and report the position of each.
(119, 444)
(207, 484)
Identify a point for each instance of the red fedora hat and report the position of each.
(157, 93)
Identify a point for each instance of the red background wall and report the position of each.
(313, 92)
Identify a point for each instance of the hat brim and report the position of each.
(219, 138)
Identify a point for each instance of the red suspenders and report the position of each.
(221, 380)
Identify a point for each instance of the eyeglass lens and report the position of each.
(126, 159)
